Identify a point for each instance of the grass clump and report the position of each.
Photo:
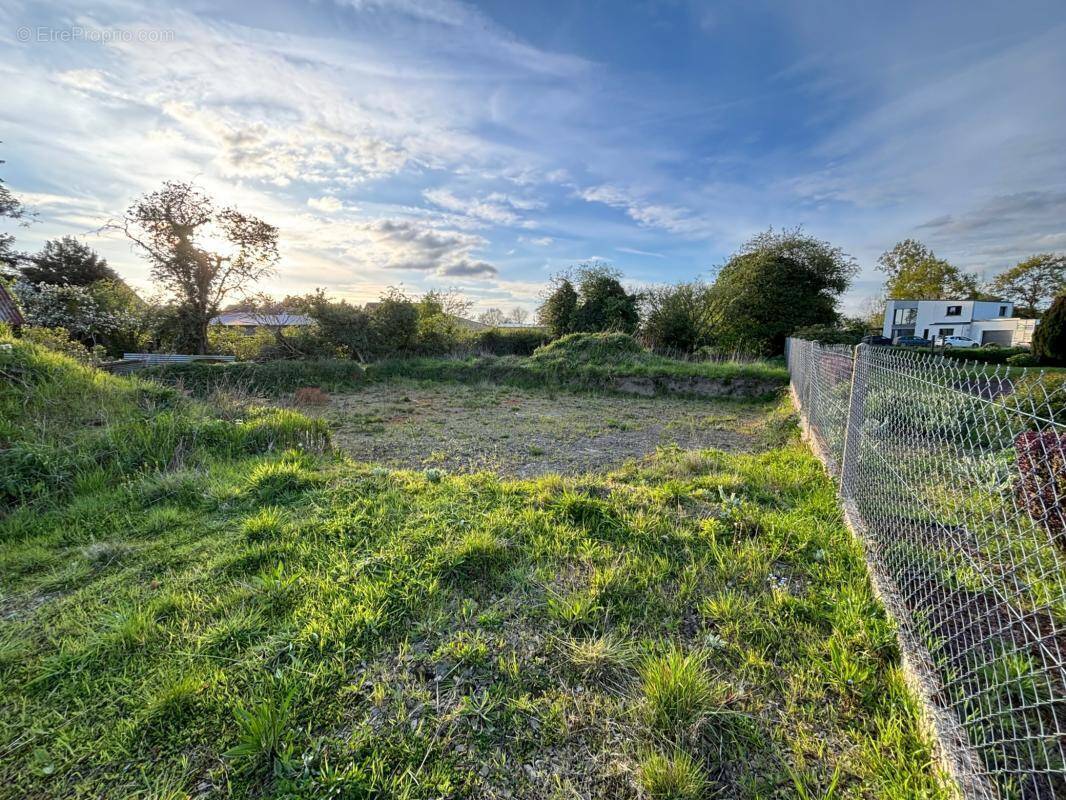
(476, 555)
(275, 481)
(678, 691)
(672, 777)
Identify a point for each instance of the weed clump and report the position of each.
(672, 777)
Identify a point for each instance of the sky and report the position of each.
(487, 146)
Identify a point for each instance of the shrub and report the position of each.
(1023, 360)
(676, 317)
(848, 332)
(1049, 340)
(394, 324)
(508, 341)
(230, 341)
(59, 340)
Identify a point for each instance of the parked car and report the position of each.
(959, 341)
(913, 341)
(877, 341)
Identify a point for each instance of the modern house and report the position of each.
(984, 321)
(250, 321)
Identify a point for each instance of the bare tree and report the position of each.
(492, 316)
(173, 226)
(517, 316)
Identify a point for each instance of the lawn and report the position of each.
(241, 617)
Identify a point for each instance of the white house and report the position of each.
(984, 321)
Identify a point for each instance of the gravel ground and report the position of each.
(521, 433)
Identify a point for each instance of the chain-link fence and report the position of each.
(954, 475)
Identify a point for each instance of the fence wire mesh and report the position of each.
(955, 476)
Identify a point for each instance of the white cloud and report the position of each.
(675, 219)
(325, 204)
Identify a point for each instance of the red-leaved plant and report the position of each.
(1042, 488)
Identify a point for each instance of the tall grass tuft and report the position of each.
(672, 777)
(678, 691)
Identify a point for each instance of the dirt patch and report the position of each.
(525, 433)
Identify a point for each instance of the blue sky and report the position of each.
(487, 146)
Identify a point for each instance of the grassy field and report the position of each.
(250, 622)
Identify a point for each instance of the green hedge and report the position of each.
(981, 355)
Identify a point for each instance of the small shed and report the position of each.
(9, 312)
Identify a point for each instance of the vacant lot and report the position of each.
(198, 612)
(523, 433)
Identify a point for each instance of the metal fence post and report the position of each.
(849, 462)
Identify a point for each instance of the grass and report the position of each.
(293, 624)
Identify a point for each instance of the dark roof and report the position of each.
(9, 312)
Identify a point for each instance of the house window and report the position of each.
(1003, 311)
(954, 311)
(904, 316)
(947, 331)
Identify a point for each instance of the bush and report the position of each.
(60, 341)
(508, 341)
(849, 333)
(1023, 360)
(394, 325)
(676, 318)
(1049, 340)
(600, 303)
(224, 340)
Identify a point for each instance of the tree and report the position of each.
(1049, 339)
(493, 317)
(559, 308)
(676, 318)
(66, 262)
(394, 323)
(604, 303)
(172, 227)
(915, 273)
(100, 314)
(11, 208)
(1034, 282)
(517, 316)
(776, 283)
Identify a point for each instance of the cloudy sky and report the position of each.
(486, 146)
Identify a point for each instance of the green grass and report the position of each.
(63, 425)
(293, 624)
